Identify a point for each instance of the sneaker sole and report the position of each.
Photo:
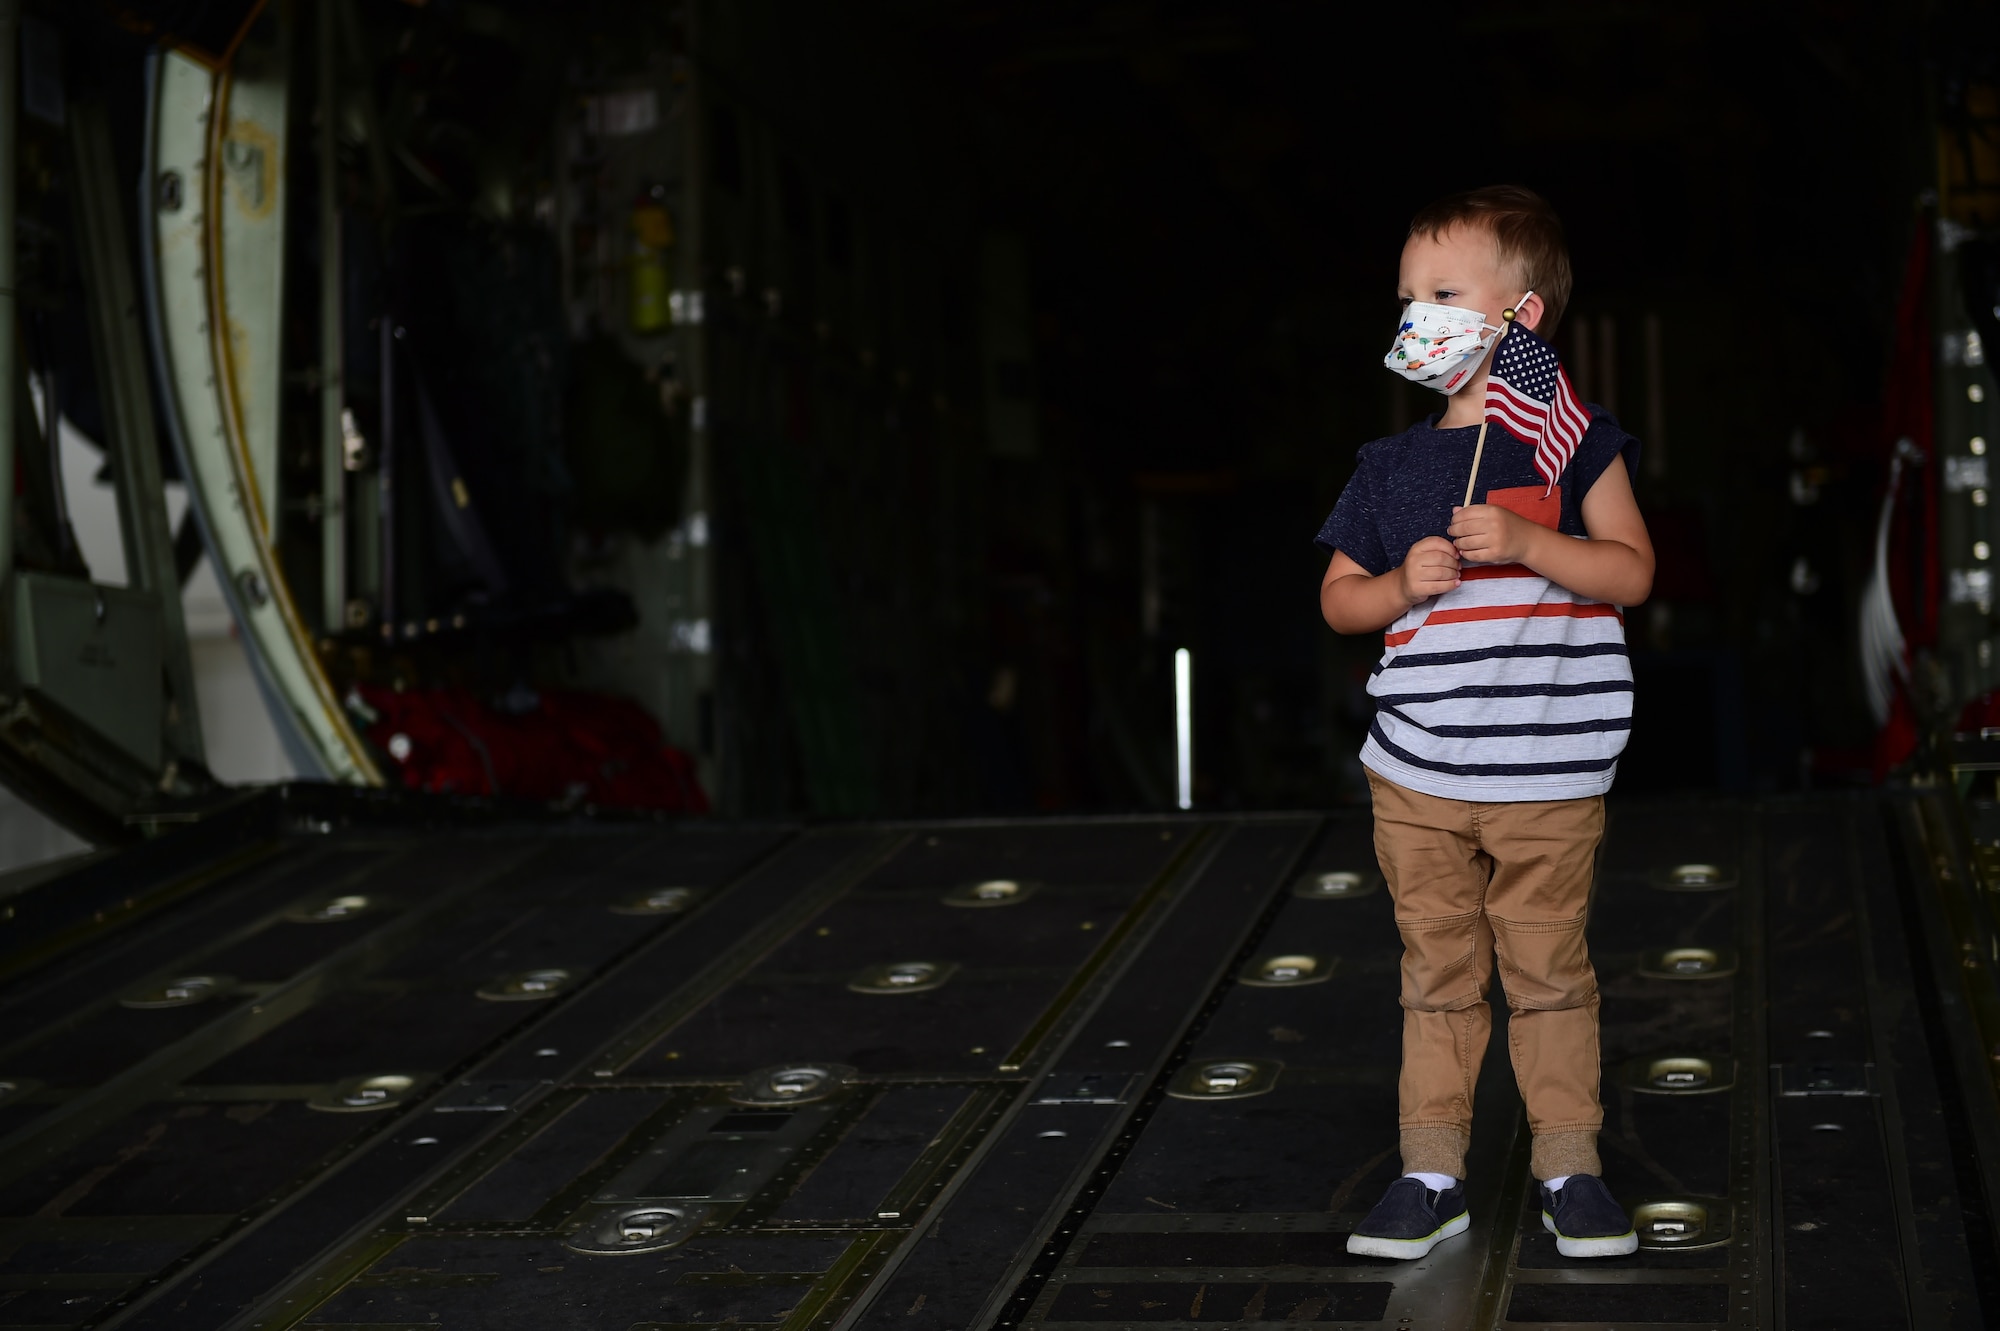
(1365, 1245)
(1622, 1245)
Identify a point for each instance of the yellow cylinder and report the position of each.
(650, 275)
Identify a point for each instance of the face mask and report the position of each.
(1439, 346)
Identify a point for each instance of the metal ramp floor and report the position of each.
(325, 1063)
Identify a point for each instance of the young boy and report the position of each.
(1503, 699)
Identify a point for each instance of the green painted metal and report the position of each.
(120, 344)
(803, 619)
(10, 352)
(332, 372)
(96, 653)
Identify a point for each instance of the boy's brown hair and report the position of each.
(1526, 229)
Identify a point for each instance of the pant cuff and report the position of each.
(1559, 1153)
(1435, 1151)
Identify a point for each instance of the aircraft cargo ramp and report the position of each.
(333, 1060)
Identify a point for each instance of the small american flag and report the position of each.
(1528, 393)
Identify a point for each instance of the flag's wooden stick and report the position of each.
(1479, 449)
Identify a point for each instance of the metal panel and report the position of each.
(1308, 1157)
(208, 237)
(247, 165)
(854, 1182)
(96, 653)
(1016, 1202)
(1967, 416)
(332, 373)
(10, 347)
(119, 341)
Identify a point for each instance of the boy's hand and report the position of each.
(1489, 534)
(1430, 569)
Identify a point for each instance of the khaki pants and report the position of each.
(1469, 881)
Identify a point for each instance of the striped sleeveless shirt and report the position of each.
(1508, 687)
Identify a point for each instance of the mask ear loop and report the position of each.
(1479, 449)
(1507, 315)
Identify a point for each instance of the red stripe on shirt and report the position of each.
(1546, 610)
(1477, 613)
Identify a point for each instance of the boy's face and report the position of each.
(1462, 267)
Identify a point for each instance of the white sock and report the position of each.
(1555, 1184)
(1435, 1182)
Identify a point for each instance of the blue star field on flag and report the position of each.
(1528, 393)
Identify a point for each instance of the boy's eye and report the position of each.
(1445, 297)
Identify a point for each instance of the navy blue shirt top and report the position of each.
(1404, 487)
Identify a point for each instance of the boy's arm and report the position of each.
(1356, 601)
(1615, 564)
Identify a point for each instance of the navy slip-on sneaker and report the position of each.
(1587, 1220)
(1410, 1220)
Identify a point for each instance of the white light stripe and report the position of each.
(1184, 727)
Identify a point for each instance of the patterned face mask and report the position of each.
(1439, 346)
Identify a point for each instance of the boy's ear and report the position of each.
(1529, 311)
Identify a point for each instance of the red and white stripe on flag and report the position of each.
(1553, 428)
